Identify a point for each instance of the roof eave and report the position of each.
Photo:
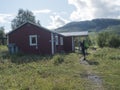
(32, 24)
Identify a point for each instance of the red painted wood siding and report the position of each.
(20, 37)
(68, 44)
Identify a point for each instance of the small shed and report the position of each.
(3, 40)
(69, 42)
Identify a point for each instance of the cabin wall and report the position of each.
(68, 44)
(20, 38)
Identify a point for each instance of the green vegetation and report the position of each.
(33, 72)
(108, 68)
(58, 59)
(114, 28)
(58, 72)
(2, 36)
(22, 17)
(93, 36)
(108, 39)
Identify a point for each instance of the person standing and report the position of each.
(82, 44)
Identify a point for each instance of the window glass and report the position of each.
(33, 40)
(61, 40)
(56, 39)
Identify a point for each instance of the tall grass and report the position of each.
(58, 72)
(35, 72)
(108, 68)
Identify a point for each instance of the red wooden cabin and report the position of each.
(30, 38)
(33, 39)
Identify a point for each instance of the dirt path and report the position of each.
(95, 80)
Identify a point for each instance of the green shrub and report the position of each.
(108, 39)
(58, 59)
(114, 57)
(102, 39)
(92, 36)
(114, 41)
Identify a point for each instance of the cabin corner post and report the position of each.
(73, 45)
(52, 43)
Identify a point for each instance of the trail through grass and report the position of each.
(96, 81)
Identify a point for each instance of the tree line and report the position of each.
(22, 17)
(2, 36)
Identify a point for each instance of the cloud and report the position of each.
(6, 18)
(106, 8)
(89, 9)
(45, 11)
(57, 21)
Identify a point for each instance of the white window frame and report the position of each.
(61, 40)
(56, 39)
(30, 40)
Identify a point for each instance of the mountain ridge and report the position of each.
(89, 25)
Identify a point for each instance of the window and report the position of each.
(56, 39)
(61, 40)
(33, 40)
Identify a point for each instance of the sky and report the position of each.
(56, 13)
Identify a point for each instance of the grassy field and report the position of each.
(108, 60)
(32, 72)
(58, 72)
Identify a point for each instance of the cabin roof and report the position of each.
(81, 33)
(34, 25)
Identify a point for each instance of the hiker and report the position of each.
(87, 44)
(79, 46)
(82, 45)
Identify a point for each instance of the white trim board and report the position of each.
(52, 43)
(73, 46)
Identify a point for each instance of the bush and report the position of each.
(92, 37)
(114, 41)
(114, 57)
(108, 39)
(58, 59)
(102, 39)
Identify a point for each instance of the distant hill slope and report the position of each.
(115, 28)
(93, 25)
